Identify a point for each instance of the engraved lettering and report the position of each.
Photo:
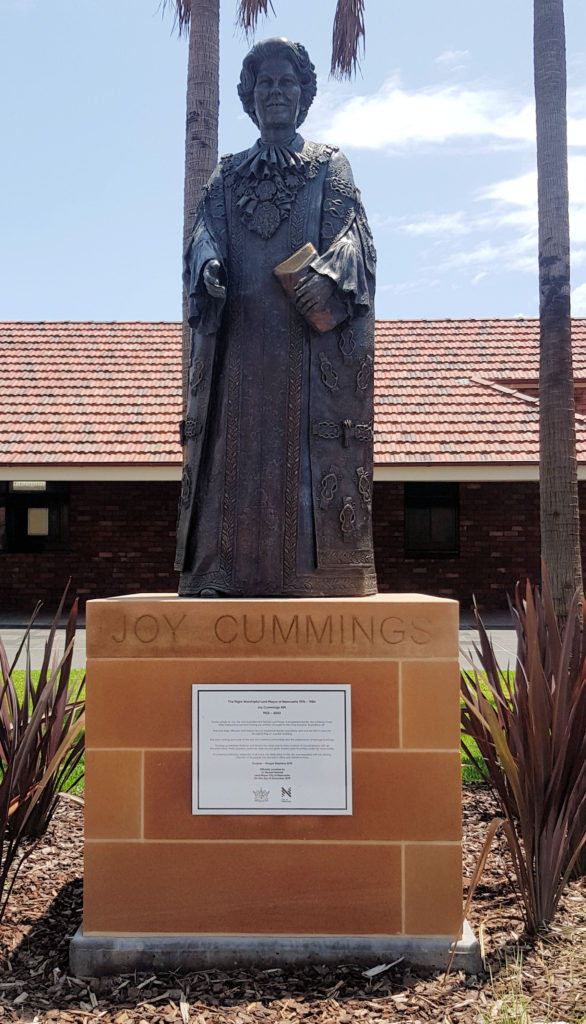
(172, 627)
(223, 631)
(293, 628)
(392, 634)
(357, 625)
(419, 627)
(146, 629)
(120, 639)
(327, 627)
(250, 639)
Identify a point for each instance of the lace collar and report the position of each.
(264, 159)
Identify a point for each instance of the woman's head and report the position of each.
(267, 52)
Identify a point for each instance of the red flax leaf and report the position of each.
(41, 742)
(476, 876)
(533, 742)
(347, 37)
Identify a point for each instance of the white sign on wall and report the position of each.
(272, 749)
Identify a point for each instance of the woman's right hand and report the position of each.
(211, 278)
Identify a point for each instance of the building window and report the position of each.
(34, 516)
(431, 520)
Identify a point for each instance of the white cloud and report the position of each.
(520, 194)
(579, 300)
(491, 232)
(395, 118)
(435, 224)
(500, 234)
(403, 287)
(453, 60)
(577, 179)
(521, 191)
(577, 116)
(577, 131)
(510, 254)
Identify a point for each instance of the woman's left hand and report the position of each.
(313, 291)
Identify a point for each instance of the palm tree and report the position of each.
(560, 519)
(201, 20)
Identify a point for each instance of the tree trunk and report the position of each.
(560, 520)
(201, 125)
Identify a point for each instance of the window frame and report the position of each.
(427, 498)
(16, 505)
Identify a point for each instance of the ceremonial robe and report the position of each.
(276, 493)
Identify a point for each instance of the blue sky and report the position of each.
(438, 127)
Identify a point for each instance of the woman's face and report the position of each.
(277, 94)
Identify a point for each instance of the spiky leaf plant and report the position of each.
(531, 734)
(41, 744)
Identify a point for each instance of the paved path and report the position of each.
(12, 637)
(503, 638)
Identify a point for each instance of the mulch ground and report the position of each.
(527, 981)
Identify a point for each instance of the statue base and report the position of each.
(165, 887)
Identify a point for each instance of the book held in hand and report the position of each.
(290, 272)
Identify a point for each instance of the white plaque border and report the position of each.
(256, 809)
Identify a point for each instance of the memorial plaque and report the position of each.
(272, 749)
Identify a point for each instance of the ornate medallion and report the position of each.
(328, 374)
(197, 375)
(364, 485)
(186, 484)
(348, 518)
(265, 219)
(265, 190)
(329, 486)
(364, 375)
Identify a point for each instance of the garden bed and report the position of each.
(529, 982)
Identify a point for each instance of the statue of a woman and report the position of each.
(277, 486)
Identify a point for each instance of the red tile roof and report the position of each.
(110, 393)
(446, 391)
(90, 393)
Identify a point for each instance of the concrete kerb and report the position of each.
(96, 956)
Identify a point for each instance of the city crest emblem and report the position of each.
(261, 796)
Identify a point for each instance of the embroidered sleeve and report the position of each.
(347, 255)
(208, 242)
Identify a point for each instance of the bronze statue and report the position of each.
(277, 486)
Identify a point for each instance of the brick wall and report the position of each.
(122, 540)
(499, 544)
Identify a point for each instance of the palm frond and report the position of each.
(181, 13)
(249, 12)
(347, 36)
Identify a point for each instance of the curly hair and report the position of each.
(278, 47)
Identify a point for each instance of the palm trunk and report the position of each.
(560, 520)
(201, 125)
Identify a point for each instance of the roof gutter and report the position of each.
(423, 471)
